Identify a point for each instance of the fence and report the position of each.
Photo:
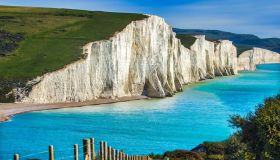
(105, 152)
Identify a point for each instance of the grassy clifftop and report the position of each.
(50, 38)
(243, 42)
(186, 40)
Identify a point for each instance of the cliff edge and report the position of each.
(145, 58)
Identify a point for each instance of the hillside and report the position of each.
(35, 41)
(242, 41)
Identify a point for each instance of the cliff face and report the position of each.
(249, 59)
(214, 58)
(144, 59)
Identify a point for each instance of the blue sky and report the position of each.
(259, 17)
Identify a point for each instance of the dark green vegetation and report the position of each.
(243, 42)
(257, 138)
(9, 42)
(186, 40)
(205, 151)
(259, 133)
(34, 41)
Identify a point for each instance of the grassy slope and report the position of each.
(186, 40)
(54, 37)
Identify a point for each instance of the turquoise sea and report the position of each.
(197, 114)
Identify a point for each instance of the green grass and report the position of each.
(242, 48)
(186, 40)
(54, 37)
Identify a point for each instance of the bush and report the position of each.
(155, 156)
(259, 133)
(214, 148)
(215, 157)
(236, 150)
(182, 154)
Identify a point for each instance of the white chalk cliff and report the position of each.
(249, 59)
(144, 59)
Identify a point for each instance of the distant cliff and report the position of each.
(145, 58)
(249, 59)
(243, 42)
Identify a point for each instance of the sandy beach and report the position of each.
(9, 109)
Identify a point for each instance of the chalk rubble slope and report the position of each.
(144, 59)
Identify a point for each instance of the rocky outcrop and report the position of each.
(249, 59)
(145, 58)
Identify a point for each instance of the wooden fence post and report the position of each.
(109, 153)
(118, 155)
(101, 151)
(51, 152)
(105, 150)
(93, 155)
(121, 155)
(126, 156)
(114, 154)
(76, 152)
(86, 147)
(16, 157)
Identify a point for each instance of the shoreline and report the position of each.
(7, 110)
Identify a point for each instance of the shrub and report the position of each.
(183, 154)
(259, 133)
(214, 148)
(215, 157)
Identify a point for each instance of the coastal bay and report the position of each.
(197, 114)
